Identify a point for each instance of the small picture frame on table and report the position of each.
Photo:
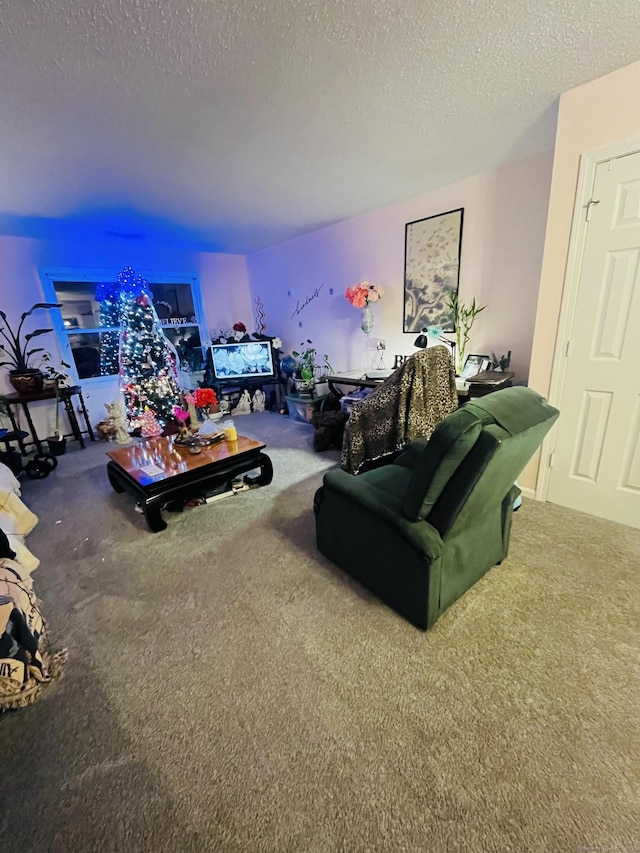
(475, 364)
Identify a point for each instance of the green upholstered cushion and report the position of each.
(450, 442)
(411, 453)
(514, 409)
(391, 479)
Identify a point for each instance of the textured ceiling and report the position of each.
(234, 124)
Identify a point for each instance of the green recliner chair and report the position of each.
(421, 530)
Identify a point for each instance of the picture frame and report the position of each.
(431, 270)
(475, 364)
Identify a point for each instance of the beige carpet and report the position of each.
(228, 689)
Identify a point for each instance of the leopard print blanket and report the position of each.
(409, 404)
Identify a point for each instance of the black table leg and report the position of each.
(86, 417)
(32, 429)
(266, 473)
(75, 426)
(19, 434)
(153, 516)
(115, 482)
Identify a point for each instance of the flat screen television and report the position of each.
(244, 360)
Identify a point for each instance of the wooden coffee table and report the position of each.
(156, 471)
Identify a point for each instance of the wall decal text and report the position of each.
(301, 306)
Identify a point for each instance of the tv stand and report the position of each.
(232, 389)
(229, 392)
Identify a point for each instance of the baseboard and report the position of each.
(527, 492)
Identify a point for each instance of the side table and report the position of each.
(66, 396)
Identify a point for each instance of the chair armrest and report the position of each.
(420, 534)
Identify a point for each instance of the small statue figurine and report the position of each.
(244, 404)
(117, 415)
(258, 400)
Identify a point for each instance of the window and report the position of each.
(88, 324)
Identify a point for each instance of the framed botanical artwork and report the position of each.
(475, 364)
(431, 270)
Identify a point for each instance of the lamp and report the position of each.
(434, 335)
(422, 340)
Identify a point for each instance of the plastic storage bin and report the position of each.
(302, 408)
(346, 402)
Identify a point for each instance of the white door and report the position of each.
(596, 459)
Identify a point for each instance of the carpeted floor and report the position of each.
(228, 689)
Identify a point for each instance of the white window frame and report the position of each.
(50, 275)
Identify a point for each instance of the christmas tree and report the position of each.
(108, 296)
(148, 360)
(148, 424)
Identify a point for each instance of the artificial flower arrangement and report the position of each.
(203, 398)
(180, 414)
(361, 294)
(223, 336)
(239, 331)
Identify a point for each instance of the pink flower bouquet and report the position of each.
(361, 294)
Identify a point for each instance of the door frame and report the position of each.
(589, 162)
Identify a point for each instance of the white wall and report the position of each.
(224, 281)
(600, 112)
(603, 111)
(502, 243)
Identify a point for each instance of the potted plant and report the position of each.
(56, 378)
(463, 318)
(307, 366)
(14, 349)
(321, 388)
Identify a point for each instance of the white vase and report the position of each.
(302, 386)
(366, 320)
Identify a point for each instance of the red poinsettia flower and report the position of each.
(204, 397)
